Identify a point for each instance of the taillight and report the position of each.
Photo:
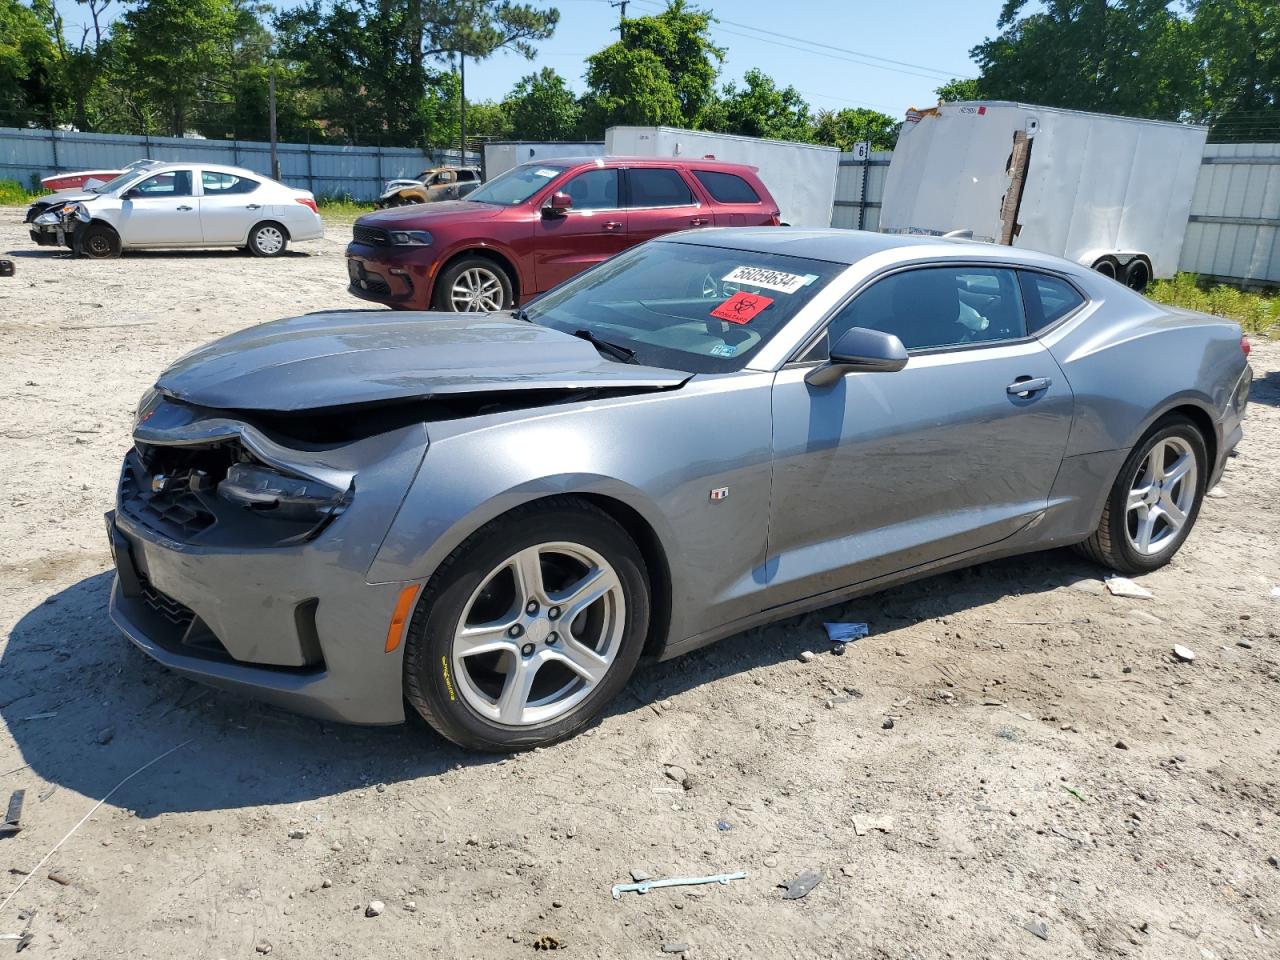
(1245, 347)
(309, 203)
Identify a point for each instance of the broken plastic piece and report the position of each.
(802, 884)
(620, 888)
(11, 819)
(1124, 587)
(846, 632)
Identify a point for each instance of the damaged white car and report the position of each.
(181, 205)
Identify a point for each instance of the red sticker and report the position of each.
(741, 307)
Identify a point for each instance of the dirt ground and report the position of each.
(1053, 785)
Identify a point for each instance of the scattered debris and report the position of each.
(864, 825)
(675, 947)
(297, 834)
(42, 716)
(849, 870)
(1121, 745)
(24, 942)
(263, 947)
(1275, 593)
(1037, 928)
(1124, 587)
(14, 814)
(808, 656)
(723, 825)
(548, 942)
(888, 724)
(1185, 654)
(846, 632)
(6, 268)
(674, 772)
(1274, 861)
(48, 792)
(801, 885)
(646, 885)
(106, 735)
(638, 875)
(61, 879)
(375, 908)
(1075, 793)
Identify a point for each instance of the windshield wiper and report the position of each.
(615, 350)
(520, 313)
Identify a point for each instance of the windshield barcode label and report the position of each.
(768, 279)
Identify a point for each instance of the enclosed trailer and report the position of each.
(801, 176)
(501, 155)
(1112, 193)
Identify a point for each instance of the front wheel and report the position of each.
(529, 628)
(97, 240)
(1154, 501)
(267, 240)
(474, 285)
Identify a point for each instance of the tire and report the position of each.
(97, 241)
(1137, 274)
(1118, 541)
(1108, 266)
(461, 695)
(268, 239)
(473, 285)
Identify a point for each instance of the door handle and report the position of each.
(184, 207)
(253, 206)
(1026, 386)
(613, 225)
(699, 221)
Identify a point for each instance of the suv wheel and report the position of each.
(474, 285)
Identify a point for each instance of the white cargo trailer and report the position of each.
(801, 176)
(501, 155)
(1112, 193)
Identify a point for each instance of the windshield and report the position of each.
(116, 182)
(516, 185)
(685, 306)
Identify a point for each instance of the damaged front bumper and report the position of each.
(56, 226)
(218, 586)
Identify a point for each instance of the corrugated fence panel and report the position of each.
(1234, 232)
(28, 155)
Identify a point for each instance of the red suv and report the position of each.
(540, 223)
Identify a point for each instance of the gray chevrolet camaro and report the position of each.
(495, 516)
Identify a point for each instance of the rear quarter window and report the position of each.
(1047, 299)
(727, 187)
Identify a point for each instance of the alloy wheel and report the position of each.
(1161, 496)
(539, 634)
(476, 290)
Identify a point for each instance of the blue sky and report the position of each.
(929, 39)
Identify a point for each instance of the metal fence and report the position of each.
(1234, 230)
(26, 155)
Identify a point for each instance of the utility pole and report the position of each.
(271, 115)
(462, 108)
(622, 16)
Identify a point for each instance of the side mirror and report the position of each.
(558, 204)
(130, 193)
(860, 349)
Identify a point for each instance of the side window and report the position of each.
(467, 176)
(594, 190)
(938, 307)
(225, 184)
(446, 176)
(171, 183)
(726, 187)
(1048, 299)
(656, 187)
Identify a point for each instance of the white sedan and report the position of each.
(181, 205)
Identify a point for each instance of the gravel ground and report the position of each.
(1053, 783)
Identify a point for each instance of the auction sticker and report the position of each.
(741, 307)
(769, 279)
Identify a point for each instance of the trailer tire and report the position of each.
(1137, 274)
(1108, 266)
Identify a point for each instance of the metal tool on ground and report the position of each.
(722, 878)
(14, 815)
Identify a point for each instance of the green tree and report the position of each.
(1130, 57)
(28, 64)
(488, 120)
(1238, 42)
(175, 53)
(629, 87)
(662, 71)
(844, 128)
(542, 107)
(957, 91)
(760, 109)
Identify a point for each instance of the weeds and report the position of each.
(342, 207)
(14, 194)
(1257, 313)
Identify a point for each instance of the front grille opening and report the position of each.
(374, 235)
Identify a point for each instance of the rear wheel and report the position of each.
(1137, 274)
(473, 285)
(1154, 501)
(98, 241)
(268, 240)
(1108, 266)
(529, 628)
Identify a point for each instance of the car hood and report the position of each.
(338, 359)
(70, 195)
(420, 214)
